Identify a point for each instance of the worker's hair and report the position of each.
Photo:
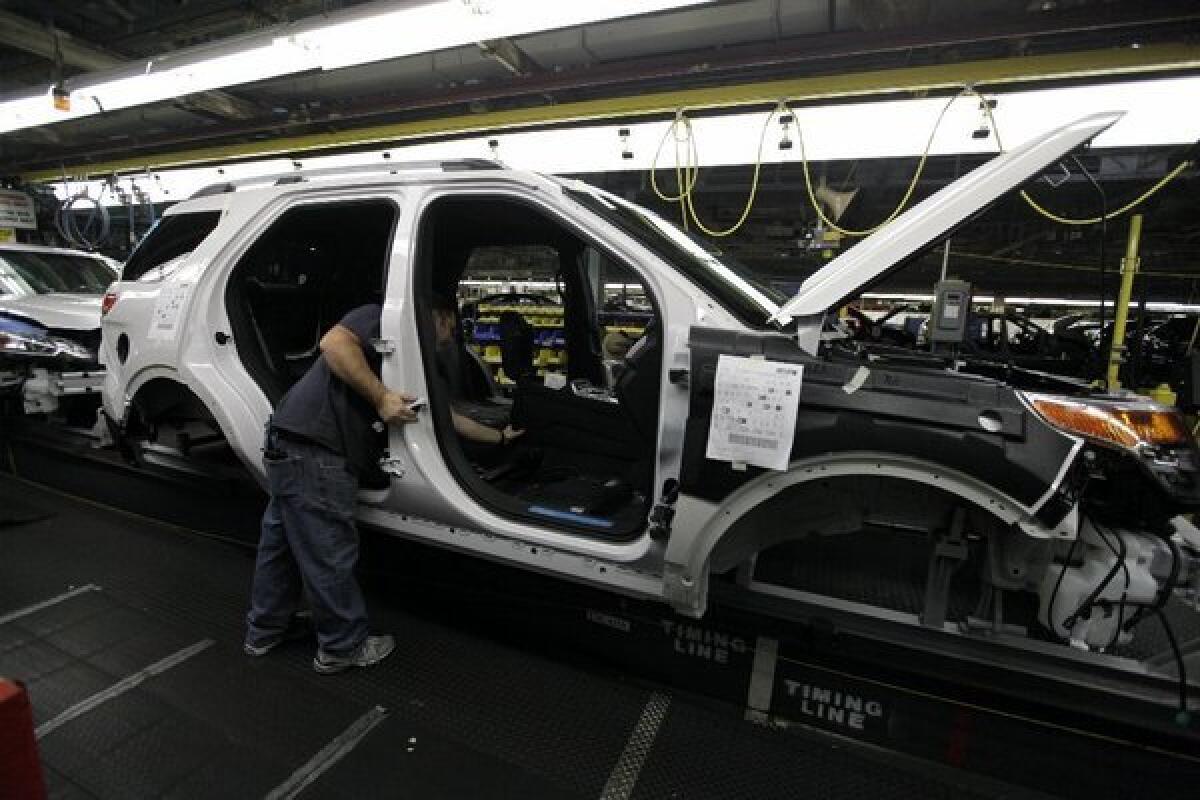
(443, 302)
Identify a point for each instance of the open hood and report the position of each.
(923, 225)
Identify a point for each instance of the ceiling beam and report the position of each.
(49, 43)
(29, 36)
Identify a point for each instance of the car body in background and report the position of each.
(1158, 346)
(50, 305)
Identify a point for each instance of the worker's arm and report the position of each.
(344, 354)
(478, 432)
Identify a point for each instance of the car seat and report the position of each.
(516, 346)
(638, 387)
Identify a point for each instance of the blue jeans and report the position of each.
(309, 544)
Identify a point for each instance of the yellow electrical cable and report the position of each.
(654, 163)
(753, 182)
(687, 174)
(1170, 176)
(912, 186)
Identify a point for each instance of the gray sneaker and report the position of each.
(372, 650)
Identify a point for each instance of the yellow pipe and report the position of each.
(992, 72)
(1129, 268)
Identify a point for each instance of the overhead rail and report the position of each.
(993, 73)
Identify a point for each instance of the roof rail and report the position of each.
(215, 188)
(302, 176)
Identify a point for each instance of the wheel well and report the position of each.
(164, 401)
(844, 504)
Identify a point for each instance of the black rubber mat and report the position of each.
(16, 511)
(466, 715)
(766, 764)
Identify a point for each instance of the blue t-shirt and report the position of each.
(324, 409)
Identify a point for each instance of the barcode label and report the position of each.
(753, 441)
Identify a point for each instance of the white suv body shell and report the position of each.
(171, 325)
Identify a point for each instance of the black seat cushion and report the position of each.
(556, 418)
(638, 386)
(516, 346)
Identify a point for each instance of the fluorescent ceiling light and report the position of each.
(430, 26)
(359, 35)
(1155, 116)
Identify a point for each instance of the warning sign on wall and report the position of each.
(16, 210)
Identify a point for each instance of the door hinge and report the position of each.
(393, 466)
(663, 512)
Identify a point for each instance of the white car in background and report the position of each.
(50, 301)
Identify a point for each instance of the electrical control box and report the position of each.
(951, 308)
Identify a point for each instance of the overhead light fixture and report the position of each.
(363, 34)
(408, 29)
(62, 98)
(785, 142)
(985, 112)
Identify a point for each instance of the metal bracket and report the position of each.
(663, 512)
(949, 553)
(808, 333)
(393, 466)
(687, 594)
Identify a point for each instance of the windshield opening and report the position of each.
(47, 273)
(731, 284)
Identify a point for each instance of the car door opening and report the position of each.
(537, 303)
(302, 274)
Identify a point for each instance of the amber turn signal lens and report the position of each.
(1127, 427)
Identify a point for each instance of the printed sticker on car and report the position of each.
(754, 411)
(164, 322)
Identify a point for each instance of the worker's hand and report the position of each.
(393, 407)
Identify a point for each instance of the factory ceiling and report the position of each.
(722, 44)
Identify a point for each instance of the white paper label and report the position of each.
(16, 210)
(754, 411)
(167, 311)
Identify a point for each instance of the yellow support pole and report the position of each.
(1129, 268)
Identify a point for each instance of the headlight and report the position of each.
(36, 346)
(1125, 424)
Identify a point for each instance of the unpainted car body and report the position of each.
(900, 444)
